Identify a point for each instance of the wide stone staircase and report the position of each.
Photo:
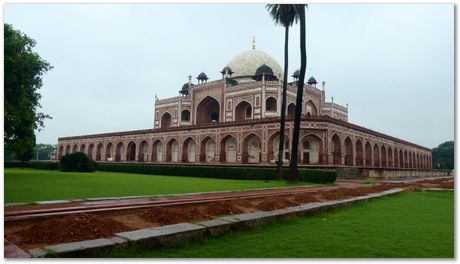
(350, 173)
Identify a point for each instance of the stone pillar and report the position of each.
(262, 112)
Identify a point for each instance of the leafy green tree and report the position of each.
(293, 172)
(443, 156)
(24, 70)
(44, 152)
(284, 15)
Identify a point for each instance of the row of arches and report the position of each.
(366, 154)
(312, 150)
(208, 111)
(228, 150)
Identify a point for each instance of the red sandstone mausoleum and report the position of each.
(236, 120)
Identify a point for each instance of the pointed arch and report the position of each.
(120, 149)
(271, 104)
(368, 154)
(390, 157)
(383, 156)
(67, 149)
(359, 160)
(82, 148)
(243, 111)
(228, 149)
(90, 151)
(348, 152)
(401, 159)
(131, 152)
(311, 149)
(252, 149)
(157, 150)
(75, 148)
(143, 151)
(99, 151)
(185, 115)
(336, 149)
(109, 152)
(189, 150)
(60, 152)
(291, 110)
(273, 146)
(208, 149)
(166, 120)
(376, 155)
(172, 150)
(207, 111)
(311, 109)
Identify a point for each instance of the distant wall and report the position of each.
(395, 174)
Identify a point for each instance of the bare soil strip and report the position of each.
(34, 233)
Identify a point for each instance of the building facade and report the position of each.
(236, 120)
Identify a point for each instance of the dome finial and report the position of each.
(253, 42)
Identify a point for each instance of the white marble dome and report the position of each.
(247, 63)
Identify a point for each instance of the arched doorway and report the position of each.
(172, 151)
(368, 154)
(228, 149)
(157, 151)
(143, 151)
(82, 148)
(359, 161)
(291, 111)
(207, 111)
(348, 152)
(189, 150)
(119, 151)
(185, 116)
(311, 150)
(166, 120)
(99, 151)
(252, 149)
(406, 161)
(131, 153)
(273, 147)
(310, 108)
(243, 111)
(336, 150)
(109, 152)
(383, 156)
(207, 150)
(90, 151)
(390, 157)
(270, 104)
(376, 155)
(67, 149)
(395, 158)
(401, 159)
(74, 149)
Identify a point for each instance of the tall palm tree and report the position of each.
(284, 15)
(293, 173)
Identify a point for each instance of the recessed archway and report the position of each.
(143, 151)
(291, 110)
(273, 147)
(271, 104)
(185, 116)
(376, 155)
(157, 151)
(74, 149)
(228, 149)
(109, 152)
(67, 149)
(383, 156)
(166, 120)
(208, 150)
(348, 152)
(243, 111)
(60, 152)
(207, 111)
(311, 149)
(82, 148)
(131, 153)
(368, 154)
(359, 160)
(390, 157)
(120, 149)
(172, 151)
(252, 149)
(90, 151)
(336, 150)
(310, 108)
(99, 151)
(189, 150)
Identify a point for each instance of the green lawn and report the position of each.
(409, 225)
(29, 185)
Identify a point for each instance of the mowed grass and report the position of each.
(28, 185)
(409, 225)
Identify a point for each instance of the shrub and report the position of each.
(77, 161)
(240, 173)
(44, 165)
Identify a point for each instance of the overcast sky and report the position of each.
(392, 63)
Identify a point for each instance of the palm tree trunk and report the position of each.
(293, 173)
(279, 167)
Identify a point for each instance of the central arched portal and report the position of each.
(243, 111)
(207, 111)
